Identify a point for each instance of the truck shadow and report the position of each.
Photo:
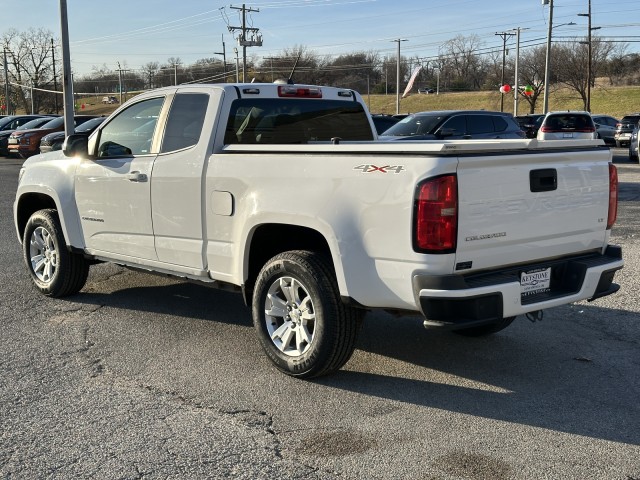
(574, 372)
(567, 373)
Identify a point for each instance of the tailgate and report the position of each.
(526, 206)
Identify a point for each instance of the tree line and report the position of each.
(464, 63)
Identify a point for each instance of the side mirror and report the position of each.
(447, 132)
(76, 145)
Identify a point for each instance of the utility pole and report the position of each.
(271, 59)
(256, 40)
(121, 79)
(7, 92)
(504, 36)
(398, 41)
(224, 59)
(55, 82)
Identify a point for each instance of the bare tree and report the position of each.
(465, 66)
(572, 64)
(30, 67)
(531, 68)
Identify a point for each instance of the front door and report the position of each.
(113, 189)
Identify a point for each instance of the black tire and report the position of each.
(488, 329)
(632, 158)
(299, 288)
(55, 271)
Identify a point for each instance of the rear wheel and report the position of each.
(633, 156)
(55, 271)
(303, 326)
(487, 329)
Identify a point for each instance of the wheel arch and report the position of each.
(268, 240)
(30, 202)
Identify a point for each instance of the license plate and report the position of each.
(535, 281)
(567, 135)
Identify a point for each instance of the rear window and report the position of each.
(278, 121)
(500, 124)
(568, 122)
(633, 119)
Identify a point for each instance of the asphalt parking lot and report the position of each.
(141, 377)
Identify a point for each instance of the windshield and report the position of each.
(4, 121)
(55, 123)
(416, 125)
(90, 125)
(36, 123)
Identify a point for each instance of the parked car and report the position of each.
(426, 90)
(567, 125)
(624, 128)
(8, 125)
(605, 127)
(383, 122)
(26, 143)
(634, 144)
(530, 124)
(109, 99)
(53, 141)
(454, 124)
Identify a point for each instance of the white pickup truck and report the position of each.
(282, 192)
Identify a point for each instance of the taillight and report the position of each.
(613, 196)
(436, 215)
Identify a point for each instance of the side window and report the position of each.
(457, 125)
(186, 119)
(131, 132)
(500, 124)
(478, 124)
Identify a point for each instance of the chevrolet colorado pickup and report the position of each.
(283, 193)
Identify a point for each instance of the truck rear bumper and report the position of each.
(455, 300)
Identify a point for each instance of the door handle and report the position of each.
(137, 177)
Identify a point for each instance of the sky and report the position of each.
(136, 32)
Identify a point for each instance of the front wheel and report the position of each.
(303, 326)
(55, 271)
(487, 329)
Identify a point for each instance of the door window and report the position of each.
(479, 124)
(186, 119)
(455, 126)
(131, 131)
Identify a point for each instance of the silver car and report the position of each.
(567, 125)
(605, 127)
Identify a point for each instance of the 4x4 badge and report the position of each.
(375, 168)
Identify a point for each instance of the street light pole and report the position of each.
(55, 82)
(224, 60)
(67, 80)
(398, 40)
(7, 92)
(235, 50)
(589, 54)
(516, 79)
(547, 63)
